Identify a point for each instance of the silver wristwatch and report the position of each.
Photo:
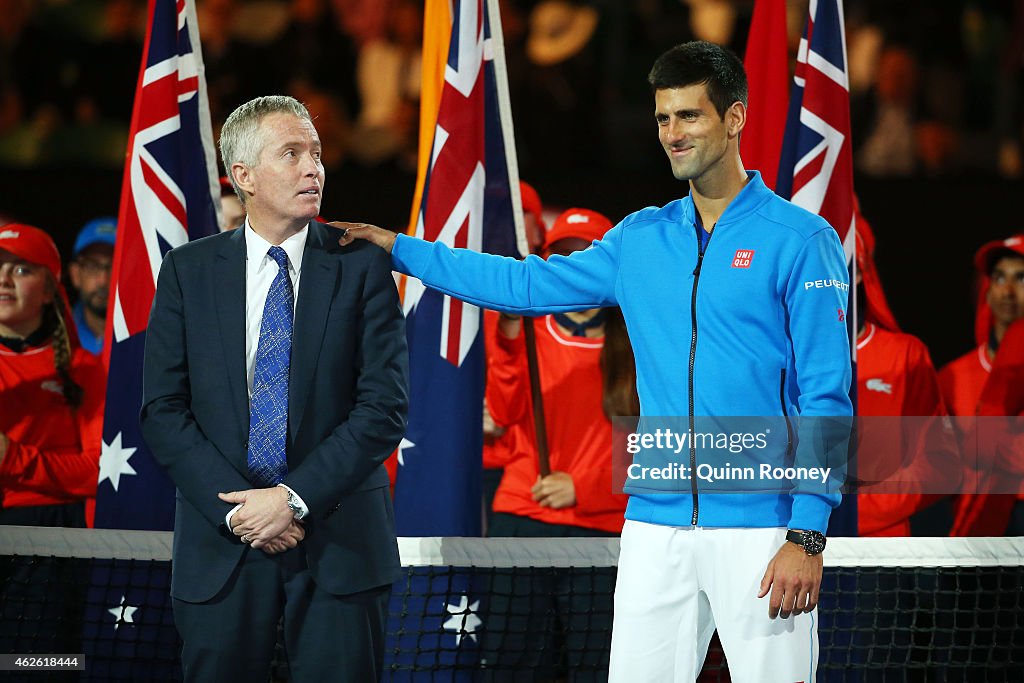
(293, 504)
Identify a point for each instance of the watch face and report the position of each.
(813, 542)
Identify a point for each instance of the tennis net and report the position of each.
(469, 609)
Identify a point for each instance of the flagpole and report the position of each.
(497, 47)
(205, 118)
(536, 399)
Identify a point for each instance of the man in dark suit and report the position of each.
(274, 387)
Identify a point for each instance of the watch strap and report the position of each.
(813, 542)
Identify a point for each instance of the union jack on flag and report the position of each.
(816, 167)
(169, 195)
(468, 183)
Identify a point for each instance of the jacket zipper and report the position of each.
(693, 357)
(785, 413)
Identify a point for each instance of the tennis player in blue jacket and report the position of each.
(735, 301)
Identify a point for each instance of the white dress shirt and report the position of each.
(260, 271)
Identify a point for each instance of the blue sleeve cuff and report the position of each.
(811, 512)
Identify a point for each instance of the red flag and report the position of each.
(766, 63)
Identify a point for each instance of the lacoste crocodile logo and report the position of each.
(875, 384)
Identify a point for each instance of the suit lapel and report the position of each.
(317, 285)
(229, 295)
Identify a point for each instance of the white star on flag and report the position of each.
(405, 444)
(114, 461)
(123, 614)
(463, 619)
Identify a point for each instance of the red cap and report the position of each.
(32, 245)
(582, 223)
(983, 263)
(35, 246)
(983, 259)
(531, 203)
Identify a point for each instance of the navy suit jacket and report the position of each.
(347, 401)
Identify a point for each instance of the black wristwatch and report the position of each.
(813, 542)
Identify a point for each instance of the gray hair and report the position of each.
(240, 141)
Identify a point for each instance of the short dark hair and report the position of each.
(699, 62)
(998, 255)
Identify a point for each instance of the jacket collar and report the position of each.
(753, 195)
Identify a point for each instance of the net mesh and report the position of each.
(527, 609)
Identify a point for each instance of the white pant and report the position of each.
(677, 584)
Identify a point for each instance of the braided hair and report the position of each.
(53, 318)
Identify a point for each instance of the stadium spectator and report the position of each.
(561, 82)
(1000, 267)
(587, 376)
(389, 74)
(889, 147)
(238, 67)
(363, 20)
(91, 261)
(692, 561)
(52, 393)
(110, 65)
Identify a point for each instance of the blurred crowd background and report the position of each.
(936, 105)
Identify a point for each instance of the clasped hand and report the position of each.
(265, 520)
(555, 491)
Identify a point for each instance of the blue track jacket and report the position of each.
(753, 327)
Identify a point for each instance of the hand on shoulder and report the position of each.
(385, 239)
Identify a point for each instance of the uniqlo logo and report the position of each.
(742, 258)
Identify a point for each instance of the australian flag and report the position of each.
(169, 195)
(467, 201)
(469, 186)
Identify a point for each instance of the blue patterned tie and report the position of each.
(268, 408)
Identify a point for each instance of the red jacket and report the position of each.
(895, 377)
(579, 434)
(1003, 441)
(962, 382)
(54, 451)
(497, 451)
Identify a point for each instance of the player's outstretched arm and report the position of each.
(534, 286)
